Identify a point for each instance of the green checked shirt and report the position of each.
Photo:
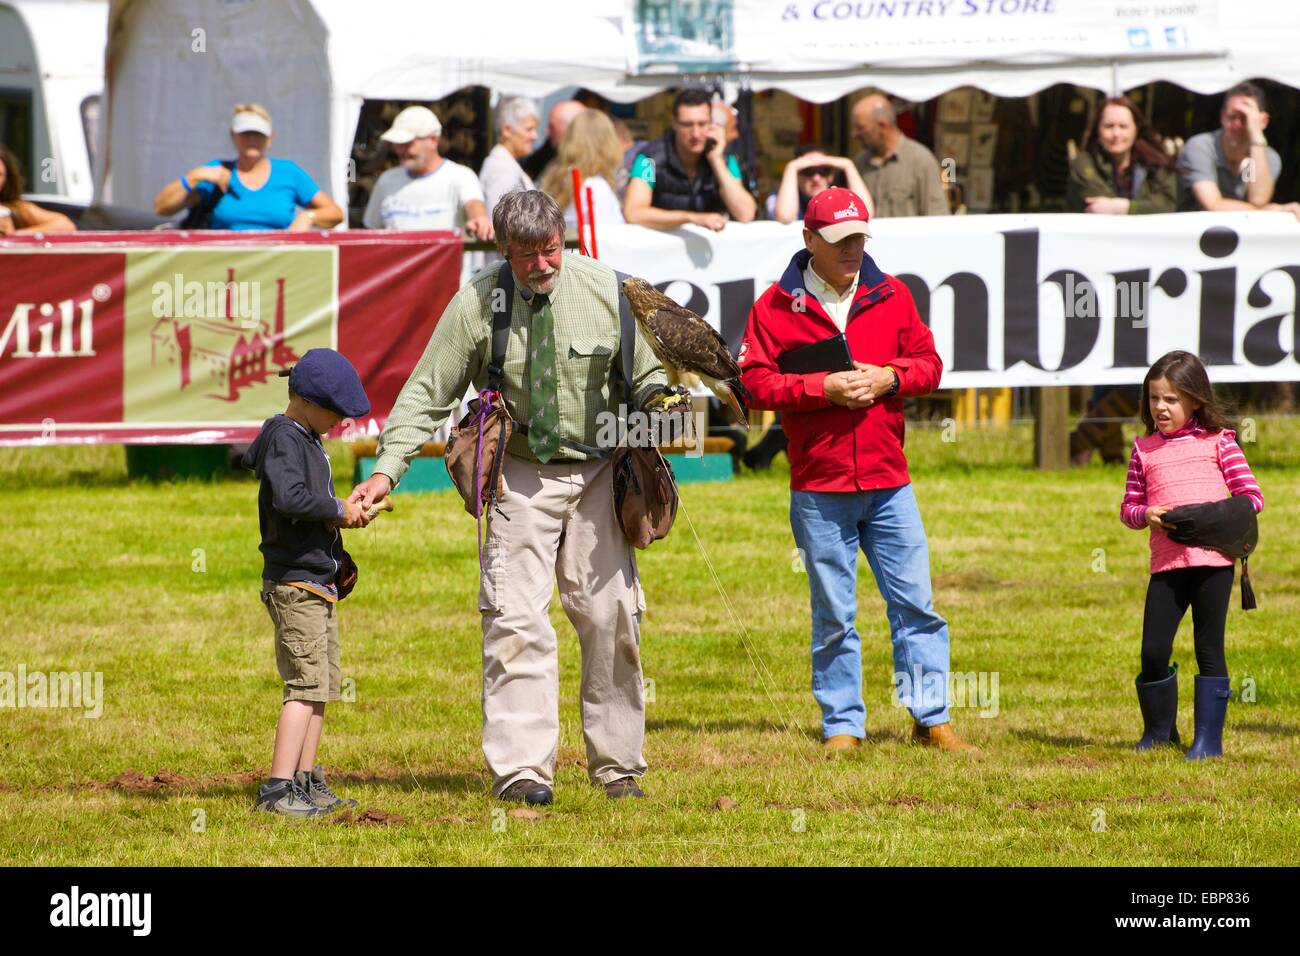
(585, 305)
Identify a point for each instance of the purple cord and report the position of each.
(484, 402)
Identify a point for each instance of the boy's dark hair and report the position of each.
(1184, 371)
(693, 96)
(1248, 88)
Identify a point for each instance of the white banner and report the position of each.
(841, 34)
(1031, 300)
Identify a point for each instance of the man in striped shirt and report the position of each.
(558, 509)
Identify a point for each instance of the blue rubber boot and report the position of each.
(1212, 695)
(1159, 703)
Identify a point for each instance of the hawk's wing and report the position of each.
(686, 342)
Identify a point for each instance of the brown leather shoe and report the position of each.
(941, 736)
(841, 742)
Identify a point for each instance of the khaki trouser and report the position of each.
(561, 527)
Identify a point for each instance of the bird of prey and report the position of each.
(684, 341)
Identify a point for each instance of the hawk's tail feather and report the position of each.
(737, 396)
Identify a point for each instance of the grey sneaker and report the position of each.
(318, 792)
(285, 798)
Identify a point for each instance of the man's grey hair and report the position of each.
(513, 110)
(528, 218)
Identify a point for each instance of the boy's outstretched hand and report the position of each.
(354, 515)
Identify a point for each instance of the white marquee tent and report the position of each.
(177, 66)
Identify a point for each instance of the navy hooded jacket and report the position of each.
(296, 507)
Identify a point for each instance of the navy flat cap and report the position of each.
(326, 378)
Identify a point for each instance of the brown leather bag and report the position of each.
(645, 491)
(476, 449)
(645, 494)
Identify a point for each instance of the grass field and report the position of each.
(1040, 582)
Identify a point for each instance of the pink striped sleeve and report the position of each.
(1133, 512)
(1236, 471)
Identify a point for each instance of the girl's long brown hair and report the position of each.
(1184, 371)
(12, 191)
(589, 143)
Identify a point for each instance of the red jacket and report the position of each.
(833, 448)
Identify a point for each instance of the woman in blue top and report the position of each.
(254, 191)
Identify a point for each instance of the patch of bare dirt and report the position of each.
(374, 818)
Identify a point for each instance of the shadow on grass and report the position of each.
(164, 785)
(1273, 730)
(706, 726)
(1054, 740)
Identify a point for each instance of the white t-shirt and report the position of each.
(435, 200)
(837, 306)
(609, 211)
(501, 173)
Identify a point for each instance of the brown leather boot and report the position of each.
(841, 742)
(941, 736)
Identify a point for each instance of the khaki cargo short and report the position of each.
(306, 642)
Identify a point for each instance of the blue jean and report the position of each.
(829, 527)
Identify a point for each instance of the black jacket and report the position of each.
(674, 189)
(296, 506)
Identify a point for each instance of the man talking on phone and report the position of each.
(835, 346)
(686, 176)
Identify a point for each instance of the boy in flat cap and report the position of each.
(302, 552)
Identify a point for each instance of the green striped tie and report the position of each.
(543, 406)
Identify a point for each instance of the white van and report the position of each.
(51, 85)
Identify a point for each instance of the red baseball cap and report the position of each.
(835, 213)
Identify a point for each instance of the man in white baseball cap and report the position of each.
(426, 192)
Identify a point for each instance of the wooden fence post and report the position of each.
(1052, 428)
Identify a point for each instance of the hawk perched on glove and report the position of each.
(683, 340)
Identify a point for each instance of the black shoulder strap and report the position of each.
(627, 338)
(503, 305)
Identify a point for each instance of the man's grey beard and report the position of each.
(542, 285)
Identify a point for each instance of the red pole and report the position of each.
(591, 223)
(577, 206)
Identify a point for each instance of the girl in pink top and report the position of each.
(1189, 455)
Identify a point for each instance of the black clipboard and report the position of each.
(828, 355)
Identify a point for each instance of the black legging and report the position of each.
(1208, 591)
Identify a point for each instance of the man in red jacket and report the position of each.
(849, 486)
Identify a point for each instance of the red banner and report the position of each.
(168, 337)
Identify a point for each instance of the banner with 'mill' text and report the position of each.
(1031, 300)
(159, 337)
(151, 337)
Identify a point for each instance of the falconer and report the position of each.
(556, 520)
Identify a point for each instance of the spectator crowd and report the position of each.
(692, 175)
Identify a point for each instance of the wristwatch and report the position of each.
(893, 389)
